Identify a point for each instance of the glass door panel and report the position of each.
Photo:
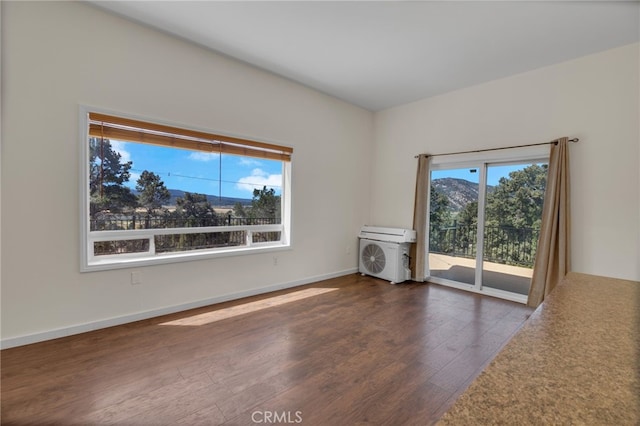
(513, 211)
(453, 224)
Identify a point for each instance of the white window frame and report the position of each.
(89, 262)
(480, 161)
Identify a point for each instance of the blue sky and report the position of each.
(493, 176)
(199, 172)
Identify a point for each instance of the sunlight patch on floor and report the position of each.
(233, 311)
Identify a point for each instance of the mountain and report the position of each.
(213, 199)
(460, 192)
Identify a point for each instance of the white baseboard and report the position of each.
(110, 322)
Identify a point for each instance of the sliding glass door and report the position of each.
(484, 223)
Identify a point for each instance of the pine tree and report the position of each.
(107, 176)
(439, 212)
(517, 200)
(265, 205)
(196, 210)
(152, 193)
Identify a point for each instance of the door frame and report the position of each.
(480, 161)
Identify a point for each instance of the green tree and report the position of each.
(517, 200)
(439, 211)
(439, 218)
(196, 210)
(467, 228)
(468, 216)
(152, 193)
(265, 204)
(107, 176)
(238, 210)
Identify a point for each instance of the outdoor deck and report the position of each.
(514, 279)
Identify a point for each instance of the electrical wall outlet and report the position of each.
(136, 277)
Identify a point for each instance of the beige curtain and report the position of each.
(419, 249)
(553, 257)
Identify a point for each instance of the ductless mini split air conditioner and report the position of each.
(384, 253)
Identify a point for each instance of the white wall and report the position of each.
(638, 187)
(57, 55)
(594, 98)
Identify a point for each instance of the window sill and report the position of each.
(121, 262)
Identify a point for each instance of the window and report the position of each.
(484, 220)
(154, 193)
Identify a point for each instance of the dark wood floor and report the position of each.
(346, 351)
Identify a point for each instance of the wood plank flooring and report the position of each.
(351, 350)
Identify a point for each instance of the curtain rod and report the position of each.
(555, 142)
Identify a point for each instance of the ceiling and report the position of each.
(385, 53)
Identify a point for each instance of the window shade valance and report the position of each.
(126, 129)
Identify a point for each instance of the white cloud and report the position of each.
(245, 161)
(119, 147)
(134, 176)
(203, 156)
(259, 172)
(259, 179)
